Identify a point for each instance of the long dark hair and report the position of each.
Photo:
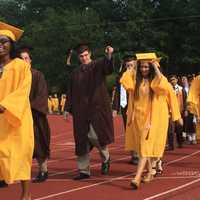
(139, 79)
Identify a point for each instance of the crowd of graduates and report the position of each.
(155, 109)
(186, 134)
(56, 105)
(153, 124)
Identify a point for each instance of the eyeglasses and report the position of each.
(4, 40)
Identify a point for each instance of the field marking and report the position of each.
(124, 179)
(121, 177)
(81, 188)
(173, 189)
(74, 157)
(91, 166)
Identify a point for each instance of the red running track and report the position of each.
(180, 180)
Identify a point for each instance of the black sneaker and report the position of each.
(41, 177)
(134, 160)
(105, 167)
(170, 148)
(81, 176)
(3, 184)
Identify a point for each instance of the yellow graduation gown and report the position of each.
(55, 104)
(194, 101)
(147, 132)
(50, 106)
(16, 125)
(198, 131)
(62, 103)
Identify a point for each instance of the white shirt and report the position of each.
(123, 97)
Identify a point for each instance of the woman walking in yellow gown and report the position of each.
(194, 102)
(148, 112)
(16, 125)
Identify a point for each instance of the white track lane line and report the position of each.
(94, 165)
(72, 147)
(181, 186)
(113, 179)
(74, 157)
(182, 158)
(173, 189)
(124, 179)
(81, 188)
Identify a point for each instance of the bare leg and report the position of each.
(149, 175)
(137, 179)
(149, 165)
(140, 169)
(25, 190)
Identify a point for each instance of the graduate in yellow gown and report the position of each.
(150, 96)
(62, 103)
(50, 105)
(55, 102)
(194, 102)
(16, 125)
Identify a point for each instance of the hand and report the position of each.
(68, 56)
(114, 113)
(69, 52)
(180, 121)
(156, 66)
(109, 51)
(2, 109)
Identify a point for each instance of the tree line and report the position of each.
(171, 28)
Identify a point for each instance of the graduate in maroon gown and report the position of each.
(39, 106)
(89, 104)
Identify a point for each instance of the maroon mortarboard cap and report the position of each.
(81, 47)
(25, 48)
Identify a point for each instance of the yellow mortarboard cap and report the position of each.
(148, 57)
(10, 31)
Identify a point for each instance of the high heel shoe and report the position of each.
(154, 171)
(134, 184)
(154, 168)
(159, 167)
(149, 177)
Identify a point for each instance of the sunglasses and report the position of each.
(4, 40)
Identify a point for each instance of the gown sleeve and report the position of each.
(16, 102)
(163, 87)
(128, 80)
(193, 99)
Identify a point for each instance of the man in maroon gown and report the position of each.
(89, 104)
